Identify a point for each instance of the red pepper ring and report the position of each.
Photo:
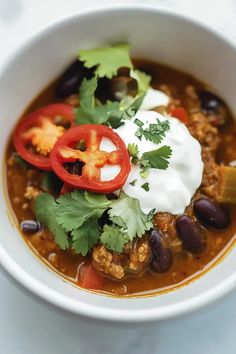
(93, 158)
(23, 133)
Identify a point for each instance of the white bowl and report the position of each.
(154, 34)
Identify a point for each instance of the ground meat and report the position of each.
(170, 91)
(43, 242)
(31, 192)
(139, 255)
(103, 261)
(208, 136)
(134, 259)
(191, 100)
(210, 181)
(205, 133)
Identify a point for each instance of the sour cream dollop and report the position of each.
(170, 190)
(154, 98)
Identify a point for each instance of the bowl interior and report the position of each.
(154, 35)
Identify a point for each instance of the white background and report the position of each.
(27, 327)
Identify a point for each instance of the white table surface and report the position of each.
(29, 327)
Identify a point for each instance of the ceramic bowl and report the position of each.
(159, 35)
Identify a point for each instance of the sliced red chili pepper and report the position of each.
(181, 114)
(93, 158)
(39, 130)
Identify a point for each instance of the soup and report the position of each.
(127, 187)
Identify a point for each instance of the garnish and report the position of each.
(45, 210)
(143, 81)
(73, 219)
(126, 213)
(114, 238)
(145, 186)
(35, 135)
(142, 78)
(133, 182)
(109, 113)
(133, 152)
(107, 59)
(43, 138)
(93, 158)
(88, 113)
(144, 167)
(155, 131)
(158, 158)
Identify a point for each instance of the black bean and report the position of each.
(214, 106)
(161, 257)
(209, 101)
(190, 233)
(71, 79)
(30, 226)
(210, 214)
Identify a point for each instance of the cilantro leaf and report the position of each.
(96, 200)
(126, 213)
(114, 238)
(133, 107)
(109, 113)
(88, 112)
(138, 122)
(133, 149)
(85, 237)
(45, 206)
(158, 158)
(107, 59)
(99, 114)
(72, 218)
(87, 90)
(142, 79)
(144, 171)
(145, 186)
(133, 182)
(133, 152)
(155, 131)
(73, 209)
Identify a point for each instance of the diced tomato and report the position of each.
(90, 279)
(181, 114)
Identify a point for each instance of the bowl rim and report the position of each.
(78, 307)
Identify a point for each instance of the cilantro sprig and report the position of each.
(109, 113)
(155, 131)
(107, 60)
(73, 219)
(158, 159)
